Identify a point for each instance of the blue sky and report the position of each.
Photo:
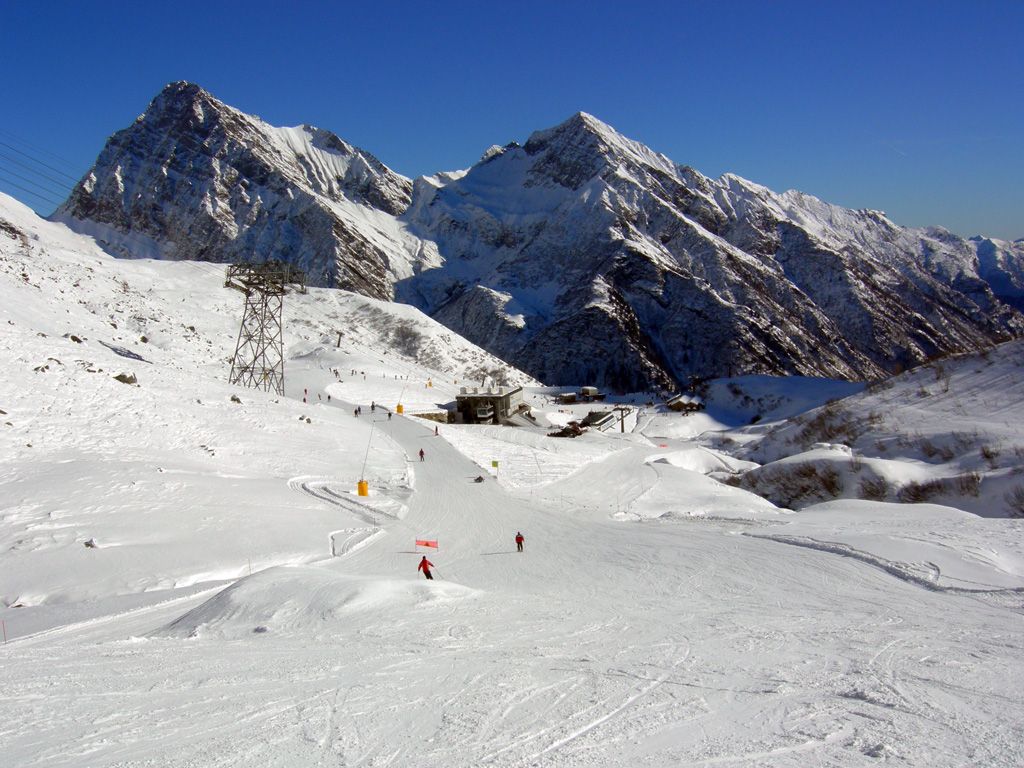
(915, 108)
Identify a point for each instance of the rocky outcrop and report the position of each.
(1001, 266)
(195, 179)
(584, 256)
(580, 256)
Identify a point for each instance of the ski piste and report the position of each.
(660, 617)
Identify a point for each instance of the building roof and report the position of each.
(486, 394)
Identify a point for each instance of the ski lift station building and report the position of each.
(477, 405)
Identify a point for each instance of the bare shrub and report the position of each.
(805, 471)
(879, 386)
(931, 450)
(873, 489)
(989, 454)
(1015, 501)
(918, 493)
(942, 375)
(968, 485)
(831, 424)
(498, 375)
(789, 485)
(964, 440)
(831, 482)
(406, 339)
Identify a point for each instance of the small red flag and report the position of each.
(426, 543)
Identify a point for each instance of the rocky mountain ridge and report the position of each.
(579, 256)
(193, 178)
(582, 234)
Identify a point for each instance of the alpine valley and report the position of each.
(579, 257)
(794, 570)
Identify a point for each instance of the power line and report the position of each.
(33, 182)
(37, 172)
(36, 177)
(19, 140)
(40, 162)
(29, 191)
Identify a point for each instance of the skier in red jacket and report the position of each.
(519, 541)
(425, 566)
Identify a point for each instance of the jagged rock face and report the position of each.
(1001, 265)
(584, 256)
(207, 182)
(580, 257)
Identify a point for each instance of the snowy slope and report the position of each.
(947, 432)
(656, 618)
(76, 317)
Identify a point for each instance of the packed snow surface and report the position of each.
(239, 604)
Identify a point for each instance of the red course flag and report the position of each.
(426, 543)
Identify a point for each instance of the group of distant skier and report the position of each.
(425, 565)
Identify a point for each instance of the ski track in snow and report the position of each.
(929, 579)
(612, 640)
(740, 675)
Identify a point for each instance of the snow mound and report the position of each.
(946, 432)
(298, 600)
(700, 459)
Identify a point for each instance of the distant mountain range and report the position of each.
(580, 256)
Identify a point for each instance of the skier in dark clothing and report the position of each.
(519, 541)
(421, 454)
(425, 566)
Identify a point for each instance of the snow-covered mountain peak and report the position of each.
(184, 107)
(198, 179)
(737, 183)
(579, 124)
(582, 147)
(586, 234)
(181, 94)
(693, 275)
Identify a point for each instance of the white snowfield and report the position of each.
(242, 606)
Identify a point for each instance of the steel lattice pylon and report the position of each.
(259, 355)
